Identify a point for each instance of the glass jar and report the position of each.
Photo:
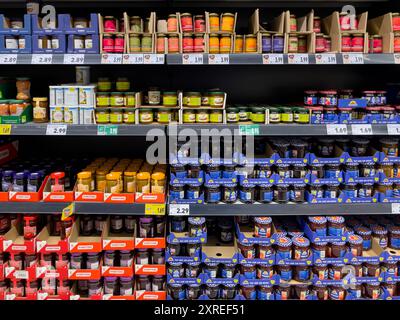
(116, 116)
(169, 98)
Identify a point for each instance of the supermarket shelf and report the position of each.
(32, 129)
(202, 59)
(289, 209)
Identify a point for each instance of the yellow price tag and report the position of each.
(5, 129)
(68, 211)
(154, 209)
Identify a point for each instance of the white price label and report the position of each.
(396, 208)
(153, 58)
(179, 209)
(74, 58)
(353, 58)
(56, 130)
(336, 129)
(193, 58)
(298, 58)
(136, 58)
(326, 58)
(111, 58)
(393, 129)
(218, 59)
(21, 274)
(361, 129)
(8, 58)
(396, 57)
(272, 58)
(42, 59)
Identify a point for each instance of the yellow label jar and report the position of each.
(238, 44)
(227, 22)
(102, 115)
(232, 115)
(170, 98)
(164, 116)
(116, 116)
(103, 84)
(84, 180)
(146, 116)
(129, 116)
(301, 115)
(189, 116)
(130, 99)
(192, 99)
(123, 84)
(117, 99)
(216, 116)
(225, 43)
(258, 115)
(214, 22)
(102, 99)
(250, 43)
(216, 99)
(213, 43)
(202, 116)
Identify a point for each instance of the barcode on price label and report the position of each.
(108, 58)
(8, 58)
(218, 59)
(272, 58)
(336, 129)
(393, 129)
(298, 58)
(179, 209)
(361, 129)
(326, 58)
(353, 58)
(192, 58)
(153, 59)
(42, 59)
(56, 130)
(396, 57)
(396, 208)
(74, 58)
(132, 59)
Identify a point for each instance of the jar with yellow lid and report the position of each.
(214, 22)
(101, 180)
(129, 116)
(130, 99)
(192, 99)
(146, 116)
(123, 84)
(250, 43)
(129, 181)
(102, 99)
(143, 182)
(213, 43)
(102, 115)
(225, 43)
(216, 99)
(158, 182)
(116, 115)
(112, 183)
(84, 181)
(238, 43)
(117, 99)
(227, 22)
(202, 116)
(170, 98)
(103, 84)
(164, 116)
(189, 116)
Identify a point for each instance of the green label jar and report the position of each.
(130, 99)
(102, 115)
(170, 98)
(116, 116)
(189, 116)
(258, 115)
(147, 42)
(216, 116)
(102, 99)
(129, 116)
(117, 99)
(202, 116)
(134, 43)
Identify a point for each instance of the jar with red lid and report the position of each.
(187, 22)
(346, 42)
(375, 44)
(321, 291)
(373, 290)
(57, 180)
(188, 43)
(108, 43)
(321, 271)
(357, 42)
(199, 23)
(355, 244)
(396, 21)
(336, 226)
(30, 226)
(319, 43)
(110, 24)
(348, 21)
(371, 269)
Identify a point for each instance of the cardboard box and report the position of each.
(383, 26)
(278, 23)
(47, 244)
(152, 23)
(208, 29)
(14, 243)
(119, 241)
(150, 295)
(26, 49)
(37, 28)
(93, 27)
(18, 196)
(24, 117)
(83, 244)
(49, 196)
(305, 24)
(5, 28)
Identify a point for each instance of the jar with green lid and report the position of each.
(103, 84)
(164, 115)
(170, 98)
(134, 43)
(130, 99)
(202, 116)
(146, 116)
(243, 114)
(274, 115)
(102, 115)
(216, 116)
(258, 115)
(103, 99)
(232, 115)
(205, 99)
(192, 99)
(129, 115)
(216, 99)
(286, 114)
(123, 84)
(116, 115)
(301, 115)
(189, 116)
(117, 99)
(147, 42)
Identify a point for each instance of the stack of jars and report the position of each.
(113, 35)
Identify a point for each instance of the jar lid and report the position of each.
(326, 140)
(328, 92)
(34, 175)
(284, 242)
(40, 99)
(169, 92)
(317, 220)
(394, 229)
(143, 176)
(216, 93)
(263, 220)
(335, 219)
(192, 93)
(112, 176)
(389, 141)
(197, 221)
(355, 239)
(301, 242)
(158, 176)
(84, 175)
(379, 230)
(57, 175)
(339, 243)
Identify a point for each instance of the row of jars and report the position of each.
(196, 23)
(114, 43)
(116, 99)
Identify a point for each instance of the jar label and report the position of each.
(286, 275)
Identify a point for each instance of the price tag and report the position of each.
(56, 130)
(353, 58)
(179, 209)
(8, 58)
(154, 209)
(194, 58)
(393, 129)
(133, 59)
(249, 130)
(42, 59)
(396, 57)
(21, 274)
(5, 129)
(272, 58)
(336, 129)
(298, 58)
(153, 58)
(107, 130)
(396, 208)
(218, 59)
(326, 58)
(111, 58)
(361, 129)
(74, 58)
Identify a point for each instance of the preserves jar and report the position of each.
(146, 116)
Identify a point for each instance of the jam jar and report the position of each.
(318, 225)
(283, 248)
(176, 291)
(301, 248)
(228, 291)
(336, 226)
(225, 231)
(192, 270)
(249, 292)
(265, 292)
(281, 193)
(297, 193)
(371, 269)
(394, 237)
(283, 291)
(366, 235)
(197, 226)
(320, 249)
(381, 234)
(332, 171)
(321, 271)
(321, 291)
(262, 227)
(211, 269)
(193, 291)
(247, 250)
(212, 291)
(326, 147)
(229, 193)
(373, 290)
(265, 193)
(264, 251)
(249, 270)
(359, 147)
(338, 249)
(213, 193)
(355, 244)
(301, 273)
(337, 293)
(228, 270)
(264, 271)
(247, 193)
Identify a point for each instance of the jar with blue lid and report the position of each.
(192, 269)
(336, 226)
(197, 226)
(212, 290)
(366, 234)
(284, 248)
(176, 270)
(212, 193)
(229, 193)
(355, 244)
(176, 291)
(211, 269)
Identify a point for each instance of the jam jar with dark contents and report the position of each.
(394, 237)
(281, 193)
(212, 193)
(317, 169)
(229, 193)
(192, 269)
(228, 291)
(381, 234)
(320, 291)
(326, 147)
(367, 170)
(355, 244)
(371, 269)
(301, 273)
(338, 249)
(211, 269)
(262, 227)
(302, 291)
(193, 291)
(193, 171)
(193, 249)
(228, 270)
(337, 293)
(157, 256)
(265, 193)
(320, 249)
(110, 285)
(359, 147)
(264, 251)
(336, 226)
(285, 272)
(143, 256)
(284, 291)
(196, 226)
(176, 270)
(335, 271)
(178, 224)
(249, 292)
(264, 271)
(176, 291)
(284, 248)
(265, 292)
(297, 193)
(390, 287)
(174, 249)
(249, 270)
(316, 190)
(247, 193)
(390, 267)
(373, 290)
(318, 225)
(366, 235)
(283, 170)
(225, 230)
(301, 248)
(320, 270)
(299, 171)
(212, 290)
(214, 171)
(143, 282)
(247, 250)
(332, 191)
(332, 171)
